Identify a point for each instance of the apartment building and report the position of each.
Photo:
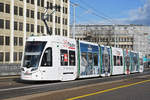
(132, 37)
(20, 19)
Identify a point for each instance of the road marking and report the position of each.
(108, 90)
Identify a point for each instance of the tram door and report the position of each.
(105, 61)
(48, 70)
(67, 64)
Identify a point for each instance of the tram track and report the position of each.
(22, 88)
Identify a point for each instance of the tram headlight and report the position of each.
(33, 69)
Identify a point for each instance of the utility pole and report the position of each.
(74, 18)
(114, 34)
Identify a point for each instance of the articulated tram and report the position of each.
(61, 58)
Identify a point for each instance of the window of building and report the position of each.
(65, 32)
(66, 10)
(7, 40)
(1, 40)
(55, 31)
(55, 19)
(7, 56)
(38, 28)
(57, 7)
(7, 24)
(20, 56)
(58, 32)
(28, 1)
(65, 21)
(15, 25)
(42, 29)
(63, 9)
(42, 3)
(1, 7)
(48, 5)
(27, 27)
(15, 10)
(2, 23)
(38, 15)
(32, 1)
(59, 20)
(15, 41)
(20, 26)
(72, 58)
(51, 5)
(47, 58)
(32, 14)
(15, 56)
(20, 41)
(38, 2)
(32, 27)
(1, 56)
(7, 8)
(28, 13)
(20, 11)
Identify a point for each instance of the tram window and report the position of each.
(47, 57)
(84, 59)
(72, 58)
(141, 61)
(64, 57)
(121, 61)
(90, 59)
(95, 59)
(118, 61)
(115, 61)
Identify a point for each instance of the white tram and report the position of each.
(61, 58)
(49, 58)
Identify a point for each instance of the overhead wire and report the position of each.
(95, 13)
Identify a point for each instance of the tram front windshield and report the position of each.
(33, 51)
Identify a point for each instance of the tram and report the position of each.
(51, 58)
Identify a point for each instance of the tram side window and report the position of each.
(115, 64)
(72, 58)
(121, 61)
(90, 59)
(84, 61)
(64, 57)
(47, 57)
(95, 59)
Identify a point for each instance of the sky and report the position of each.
(111, 12)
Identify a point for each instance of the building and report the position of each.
(22, 18)
(132, 37)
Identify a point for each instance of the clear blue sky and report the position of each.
(120, 11)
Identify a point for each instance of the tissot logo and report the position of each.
(69, 45)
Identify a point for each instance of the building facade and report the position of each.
(22, 18)
(132, 37)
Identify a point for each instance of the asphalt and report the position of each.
(62, 90)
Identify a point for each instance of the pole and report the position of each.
(74, 19)
(114, 34)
